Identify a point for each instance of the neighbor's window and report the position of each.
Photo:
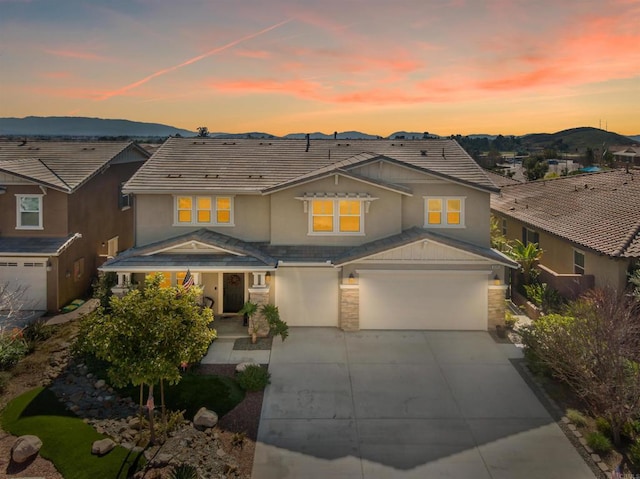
(530, 236)
(29, 212)
(578, 262)
(504, 227)
(444, 212)
(203, 210)
(336, 216)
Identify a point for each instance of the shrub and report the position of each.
(38, 331)
(254, 378)
(276, 325)
(510, 320)
(576, 417)
(634, 452)
(603, 426)
(13, 348)
(102, 288)
(599, 442)
(631, 430)
(184, 471)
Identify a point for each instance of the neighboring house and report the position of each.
(626, 155)
(62, 214)
(356, 234)
(501, 180)
(588, 226)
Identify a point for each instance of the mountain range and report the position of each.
(76, 127)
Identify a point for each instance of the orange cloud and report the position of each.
(257, 54)
(77, 54)
(300, 88)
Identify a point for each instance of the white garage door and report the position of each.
(29, 274)
(423, 300)
(307, 296)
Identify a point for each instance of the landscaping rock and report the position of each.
(100, 383)
(205, 418)
(102, 447)
(242, 366)
(25, 448)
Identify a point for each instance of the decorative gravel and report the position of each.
(245, 344)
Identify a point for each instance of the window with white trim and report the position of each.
(444, 212)
(29, 212)
(336, 216)
(578, 262)
(530, 236)
(203, 210)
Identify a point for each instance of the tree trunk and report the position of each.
(140, 411)
(163, 409)
(150, 407)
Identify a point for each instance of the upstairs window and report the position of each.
(124, 200)
(29, 212)
(530, 236)
(444, 212)
(203, 210)
(336, 216)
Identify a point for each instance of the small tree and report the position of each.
(595, 349)
(527, 256)
(203, 131)
(148, 335)
(535, 168)
(11, 303)
(498, 240)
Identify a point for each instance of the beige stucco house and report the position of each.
(588, 226)
(62, 214)
(356, 234)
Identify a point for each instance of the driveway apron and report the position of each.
(405, 404)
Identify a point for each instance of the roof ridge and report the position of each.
(635, 231)
(54, 174)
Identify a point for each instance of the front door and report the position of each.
(233, 292)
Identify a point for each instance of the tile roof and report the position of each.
(600, 211)
(30, 245)
(62, 165)
(501, 180)
(253, 166)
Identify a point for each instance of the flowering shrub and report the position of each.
(13, 347)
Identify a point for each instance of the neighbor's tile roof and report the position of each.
(62, 165)
(501, 180)
(30, 245)
(253, 166)
(600, 211)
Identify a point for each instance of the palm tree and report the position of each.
(526, 256)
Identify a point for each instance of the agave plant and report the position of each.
(184, 471)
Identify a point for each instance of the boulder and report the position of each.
(100, 383)
(242, 366)
(102, 447)
(25, 448)
(205, 418)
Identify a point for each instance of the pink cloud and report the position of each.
(77, 54)
(300, 88)
(257, 54)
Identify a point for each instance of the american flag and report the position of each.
(187, 282)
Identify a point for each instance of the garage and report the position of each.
(447, 300)
(29, 273)
(307, 296)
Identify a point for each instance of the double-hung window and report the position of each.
(530, 236)
(203, 210)
(336, 216)
(29, 212)
(444, 212)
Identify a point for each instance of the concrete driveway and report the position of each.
(404, 404)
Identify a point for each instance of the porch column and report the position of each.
(350, 307)
(258, 324)
(123, 285)
(496, 306)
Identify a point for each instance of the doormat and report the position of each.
(245, 344)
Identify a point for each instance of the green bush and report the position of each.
(184, 471)
(631, 430)
(254, 378)
(599, 442)
(38, 331)
(510, 320)
(634, 452)
(576, 417)
(13, 348)
(603, 426)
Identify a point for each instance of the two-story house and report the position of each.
(62, 214)
(356, 234)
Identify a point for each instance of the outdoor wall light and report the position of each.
(49, 267)
(352, 279)
(267, 278)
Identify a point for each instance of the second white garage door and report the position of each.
(423, 300)
(307, 296)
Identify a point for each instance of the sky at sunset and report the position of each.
(284, 66)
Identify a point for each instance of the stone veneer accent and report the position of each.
(496, 305)
(349, 307)
(258, 323)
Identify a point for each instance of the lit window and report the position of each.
(29, 212)
(165, 282)
(203, 210)
(444, 212)
(336, 216)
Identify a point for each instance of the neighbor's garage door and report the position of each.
(30, 274)
(423, 300)
(307, 296)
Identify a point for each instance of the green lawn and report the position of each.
(66, 439)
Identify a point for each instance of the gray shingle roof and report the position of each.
(252, 166)
(62, 165)
(600, 211)
(23, 245)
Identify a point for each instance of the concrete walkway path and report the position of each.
(405, 404)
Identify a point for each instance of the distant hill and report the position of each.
(635, 137)
(575, 139)
(344, 135)
(75, 126)
(236, 136)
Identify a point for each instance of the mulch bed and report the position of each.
(245, 344)
(245, 417)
